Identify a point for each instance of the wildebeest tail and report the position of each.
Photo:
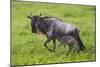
(81, 45)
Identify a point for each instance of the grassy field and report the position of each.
(27, 48)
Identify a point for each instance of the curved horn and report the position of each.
(40, 14)
(30, 16)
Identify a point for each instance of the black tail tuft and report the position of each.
(81, 45)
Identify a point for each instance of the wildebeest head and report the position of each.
(34, 20)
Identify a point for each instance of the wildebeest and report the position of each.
(70, 41)
(54, 28)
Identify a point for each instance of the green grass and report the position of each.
(27, 48)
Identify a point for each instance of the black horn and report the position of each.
(30, 15)
(40, 14)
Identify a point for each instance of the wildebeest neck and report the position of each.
(43, 26)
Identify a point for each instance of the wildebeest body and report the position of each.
(50, 25)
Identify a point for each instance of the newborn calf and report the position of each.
(70, 41)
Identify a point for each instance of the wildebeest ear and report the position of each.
(29, 17)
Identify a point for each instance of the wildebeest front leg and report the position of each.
(54, 44)
(45, 44)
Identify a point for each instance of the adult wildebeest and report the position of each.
(54, 28)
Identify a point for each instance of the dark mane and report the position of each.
(45, 17)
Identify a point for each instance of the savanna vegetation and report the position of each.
(27, 48)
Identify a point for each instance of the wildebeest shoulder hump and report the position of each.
(48, 17)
